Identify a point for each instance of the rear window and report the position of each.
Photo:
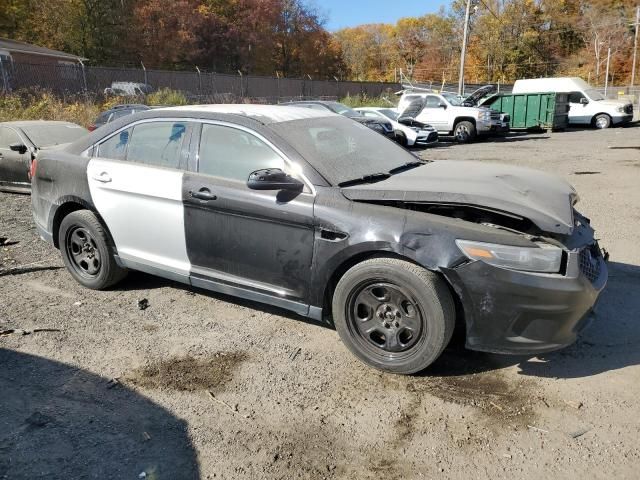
(46, 135)
(157, 143)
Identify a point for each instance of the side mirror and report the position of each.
(21, 148)
(584, 101)
(443, 105)
(273, 179)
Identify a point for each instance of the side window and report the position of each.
(157, 143)
(7, 137)
(432, 102)
(575, 97)
(233, 154)
(116, 147)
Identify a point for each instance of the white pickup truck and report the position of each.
(449, 114)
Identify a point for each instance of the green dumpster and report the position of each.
(533, 110)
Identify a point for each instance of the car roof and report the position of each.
(31, 123)
(266, 114)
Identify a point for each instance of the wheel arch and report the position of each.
(68, 205)
(593, 118)
(359, 257)
(463, 119)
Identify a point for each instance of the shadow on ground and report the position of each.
(611, 342)
(57, 421)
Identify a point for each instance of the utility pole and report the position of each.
(635, 47)
(464, 48)
(606, 78)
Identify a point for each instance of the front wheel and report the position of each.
(87, 252)
(602, 121)
(464, 132)
(393, 315)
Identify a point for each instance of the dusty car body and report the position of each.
(19, 143)
(317, 214)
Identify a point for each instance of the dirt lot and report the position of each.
(120, 392)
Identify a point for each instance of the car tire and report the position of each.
(602, 121)
(393, 315)
(464, 132)
(402, 140)
(87, 251)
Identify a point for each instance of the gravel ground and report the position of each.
(200, 385)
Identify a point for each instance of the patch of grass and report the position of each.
(168, 97)
(357, 101)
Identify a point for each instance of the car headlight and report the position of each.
(543, 259)
(485, 116)
(621, 109)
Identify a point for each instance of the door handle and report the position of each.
(203, 194)
(104, 177)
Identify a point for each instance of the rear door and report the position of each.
(136, 186)
(257, 240)
(14, 166)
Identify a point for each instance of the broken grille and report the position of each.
(590, 262)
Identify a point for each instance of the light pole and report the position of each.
(635, 47)
(464, 46)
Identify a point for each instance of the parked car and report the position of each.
(449, 115)
(19, 143)
(118, 111)
(130, 89)
(306, 210)
(382, 126)
(407, 136)
(587, 106)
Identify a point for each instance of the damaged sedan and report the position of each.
(312, 212)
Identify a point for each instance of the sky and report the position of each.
(348, 13)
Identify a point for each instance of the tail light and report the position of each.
(91, 127)
(32, 169)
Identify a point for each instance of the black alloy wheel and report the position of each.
(393, 314)
(83, 251)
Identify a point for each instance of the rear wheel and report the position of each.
(602, 121)
(393, 315)
(86, 251)
(464, 132)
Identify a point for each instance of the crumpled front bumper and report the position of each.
(508, 311)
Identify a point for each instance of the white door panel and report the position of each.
(142, 207)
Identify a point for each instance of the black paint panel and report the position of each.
(263, 240)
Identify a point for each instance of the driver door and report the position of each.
(14, 166)
(578, 111)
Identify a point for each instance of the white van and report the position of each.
(587, 105)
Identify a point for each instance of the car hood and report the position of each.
(612, 103)
(479, 94)
(544, 199)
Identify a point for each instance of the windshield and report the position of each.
(453, 99)
(341, 149)
(48, 134)
(387, 112)
(594, 95)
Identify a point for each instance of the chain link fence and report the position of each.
(72, 79)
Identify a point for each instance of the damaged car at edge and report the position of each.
(315, 213)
